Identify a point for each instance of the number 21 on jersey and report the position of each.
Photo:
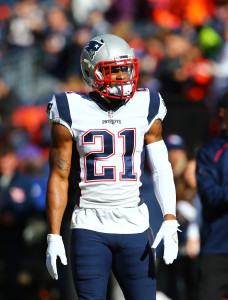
(107, 150)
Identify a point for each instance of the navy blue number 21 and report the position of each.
(108, 173)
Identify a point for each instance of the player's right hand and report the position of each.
(55, 248)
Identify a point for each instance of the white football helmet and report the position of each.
(107, 54)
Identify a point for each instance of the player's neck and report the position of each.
(106, 102)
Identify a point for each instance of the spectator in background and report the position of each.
(122, 10)
(16, 205)
(180, 283)
(192, 246)
(8, 101)
(70, 56)
(58, 36)
(98, 23)
(81, 9)
(27, 22)
(220, 71)
(212, 181)
(177, 47)
(34, 165)
(189, 209)
(178, 157)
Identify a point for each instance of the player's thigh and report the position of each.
(212, 280)
(134, 267)
(91, 262)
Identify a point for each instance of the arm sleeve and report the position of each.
(162, 177)
(58, 111)
(212, 189)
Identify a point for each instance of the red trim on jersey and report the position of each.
(99, 158)
(133, 153)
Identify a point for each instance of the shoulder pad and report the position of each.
(157, 108)
(82, 95)
(58, 110)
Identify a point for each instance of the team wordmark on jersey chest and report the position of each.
(111, 121)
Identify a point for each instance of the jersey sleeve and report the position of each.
(157, 108)
(58, 111)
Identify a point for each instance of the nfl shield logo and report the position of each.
(111, 114)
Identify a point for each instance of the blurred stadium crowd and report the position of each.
(182, 46)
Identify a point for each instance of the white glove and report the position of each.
(55, 248)
(168, 232)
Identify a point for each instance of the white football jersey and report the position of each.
(110, 145)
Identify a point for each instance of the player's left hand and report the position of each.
(168, 232)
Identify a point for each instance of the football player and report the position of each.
(111, 127)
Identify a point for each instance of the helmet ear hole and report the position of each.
(87, 72)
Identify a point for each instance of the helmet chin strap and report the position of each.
(117, 90)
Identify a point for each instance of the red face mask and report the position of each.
(116, 79)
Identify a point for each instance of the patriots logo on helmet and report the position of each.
(92, 48)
